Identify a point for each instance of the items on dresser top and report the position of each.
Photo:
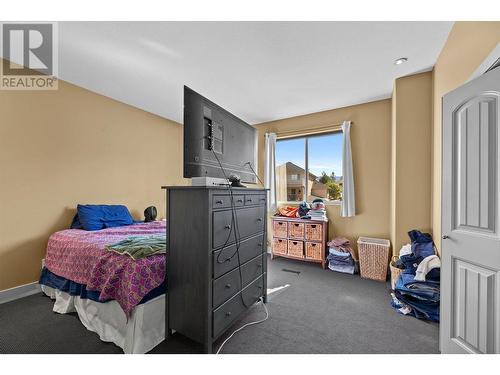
(299, 239)
(216, 276)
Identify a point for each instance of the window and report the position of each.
(321, 157)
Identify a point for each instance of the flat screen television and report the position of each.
(211, 133)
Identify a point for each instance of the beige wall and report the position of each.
(468, 44)
(60, 148)
(371, 142)
(411, 157)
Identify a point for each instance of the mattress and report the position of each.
(80, 256)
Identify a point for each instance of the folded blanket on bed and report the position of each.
(138, 247)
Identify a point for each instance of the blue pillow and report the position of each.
(75, 224)
(100, 216)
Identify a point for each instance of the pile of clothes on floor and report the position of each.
(341, 256)
(417, 290)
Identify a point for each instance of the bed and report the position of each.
(121, 299)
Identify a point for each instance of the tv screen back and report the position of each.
(211, 133)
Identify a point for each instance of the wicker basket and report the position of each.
(314, 232)
(314, 250)
(280, 246)
(373, 258)
(280, 229)
(296, 248)
(296, 230)
(395, 272)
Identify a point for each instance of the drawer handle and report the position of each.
(228, 226)
(296, 224)
(295, 243)
(262, 199)
(249, 200)
(313, 244)
(280, 223)
(259, 219)
(260, 244)
(228, 313)
(240, 200)
(228, 286)
(313, 226)
(220, 201)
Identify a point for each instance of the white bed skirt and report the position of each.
(144, 330)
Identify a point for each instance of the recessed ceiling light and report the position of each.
(401, 60)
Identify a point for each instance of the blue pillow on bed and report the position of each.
(100, 216)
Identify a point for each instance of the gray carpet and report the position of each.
(321, 312)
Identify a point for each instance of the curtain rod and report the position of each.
(304, 132)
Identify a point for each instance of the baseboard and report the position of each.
(17, 292)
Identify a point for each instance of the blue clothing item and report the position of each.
(100, 216)
(75, 289)
(421, 244)
(423, 297)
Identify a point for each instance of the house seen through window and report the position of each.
(319, 157)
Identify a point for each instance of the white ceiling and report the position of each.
(260, 71)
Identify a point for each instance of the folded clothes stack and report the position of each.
(317, 211)
(341, 256)
(417, 291)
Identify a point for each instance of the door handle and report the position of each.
(445, 237)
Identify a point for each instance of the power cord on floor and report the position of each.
(261, 299)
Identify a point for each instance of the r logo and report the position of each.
(28, 49)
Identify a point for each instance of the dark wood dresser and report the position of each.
(300, 239)
(209, 283)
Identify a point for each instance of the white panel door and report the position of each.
(470, 277)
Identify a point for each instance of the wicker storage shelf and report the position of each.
(373, 258)
(296, 230)
(314, 250)
(300, 239)
(280, 228)
(314, 232)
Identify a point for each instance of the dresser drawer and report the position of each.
(280, 246)
(314, 232)
(251, 220)
(280, 228)
(226, 286)
(226, 314)
(314, 250)
(252, 269)
(224, 201)
(253, 199)
(296, 248)
(226, 259)
(295, 230)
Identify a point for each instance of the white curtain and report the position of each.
(270, 171)
(348, 199)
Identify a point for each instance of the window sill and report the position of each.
(328, 203)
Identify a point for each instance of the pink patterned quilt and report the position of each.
(80, 256)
